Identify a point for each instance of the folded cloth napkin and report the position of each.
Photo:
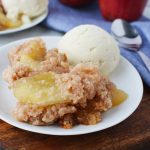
(64, 18)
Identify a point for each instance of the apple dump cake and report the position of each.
(49, 90)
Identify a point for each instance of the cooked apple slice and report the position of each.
(39, 89)
(34, 49)
(28, 61)
(4, 21)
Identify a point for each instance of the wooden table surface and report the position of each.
(131, 134)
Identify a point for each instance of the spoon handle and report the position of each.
(145, 59)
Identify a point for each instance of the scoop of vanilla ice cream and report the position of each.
(31, 8)
(90, 44)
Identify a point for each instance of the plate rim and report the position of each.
(70, 133)
(39, 19)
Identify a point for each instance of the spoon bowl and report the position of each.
(124, 29)
(128, 37)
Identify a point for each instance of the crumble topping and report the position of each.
(88, 90)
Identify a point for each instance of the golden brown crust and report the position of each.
(68, 121)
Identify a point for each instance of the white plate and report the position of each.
(34, 22)
(124, 76)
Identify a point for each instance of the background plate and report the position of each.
(34, 22)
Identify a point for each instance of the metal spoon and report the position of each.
(128, 37)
